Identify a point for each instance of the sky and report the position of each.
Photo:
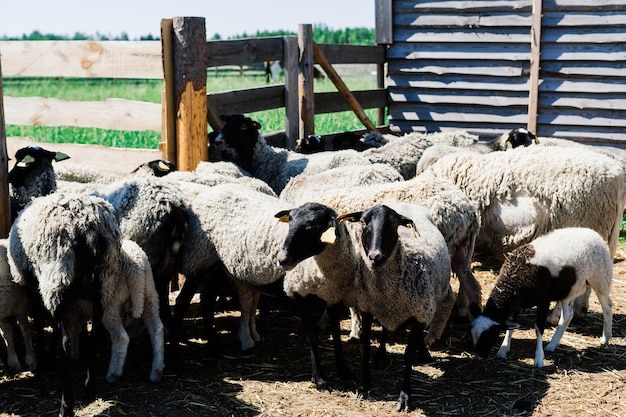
(139, 18)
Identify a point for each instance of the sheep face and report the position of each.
(30, 163)
(521, 137)
(158, 167)
(379, 235)
(311, 228)
(485, 333)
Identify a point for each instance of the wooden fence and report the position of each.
(556, 66)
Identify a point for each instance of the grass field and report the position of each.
(150, 91)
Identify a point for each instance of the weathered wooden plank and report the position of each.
(353, 54)
(244, 51)
(587, 100)
(583, 52)
(483, 130)
(464, 20)
(5, 201)
(458, 83)
(567, 18)
(384, 18)
(466, 35)
(331, 102)
(598, 35)
(458, 67)
(481, 98)
(306, 99)
(105, 59)
(585, 68)
(535, 51)
(416, 112)
(469, 51)
(403, 6)
(582, 85)
(115, 114)
(251, 100)
(576, 117)
(613, 136)
(595, 5)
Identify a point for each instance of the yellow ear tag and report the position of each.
(22, 164)
(329, 236)
(284, 218)
(536, 140)
(163, 166)
(416, 233)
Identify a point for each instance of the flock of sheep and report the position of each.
(380, 231)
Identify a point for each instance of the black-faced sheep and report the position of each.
(405, 279)
(558, 266)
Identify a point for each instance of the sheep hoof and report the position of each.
(156, 375)
(550, 348)
(323, 386)
(403, 402)
(353, 340)
(112, 378)
(362, 392)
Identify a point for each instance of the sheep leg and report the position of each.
(581, 304)
(381, 353)
(506, 345)
(365, 382)
(6, 330)
(340, 361)
(607, 315)
(469, 290)
(566, 316)
(355, 329)
(183, 300)
(256, 296)
(416, 342)
(540, 325)
(539, 355)
(27, 335)
(94, 344)
(208, 298)
(303, 309)
(246, 301)
(119, 344)
(154, 325)
(65, 352)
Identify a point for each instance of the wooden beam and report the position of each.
(292, 99)
(5, 212)
(535, 61)
(305, 80)
(168, 100)
(190, 91)
(343, 89)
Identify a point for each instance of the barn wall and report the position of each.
(466, 65)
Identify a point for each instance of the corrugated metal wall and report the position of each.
(466, 65)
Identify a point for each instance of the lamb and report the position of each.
(405, 279)
(558, 266)
(59, 247)
(452, 211)
(14, 302)
(303, 188)
(277, 166)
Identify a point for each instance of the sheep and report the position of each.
(557, 266)
(526, 192)
(59, 247)
(276, 166)
(14, 302)
(452, 211)
(320, 260)
(32, 176)
(303, 188)
(404, 279)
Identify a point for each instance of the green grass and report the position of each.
(150, 91)
(622, 232)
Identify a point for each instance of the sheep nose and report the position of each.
(377, 258)
(285, 260)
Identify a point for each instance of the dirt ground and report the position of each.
(580, 378)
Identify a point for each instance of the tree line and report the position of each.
(321, 34)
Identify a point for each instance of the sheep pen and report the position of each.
(579, 378)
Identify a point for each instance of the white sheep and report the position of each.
(558, 266)
(451, 210)
(405, 279)
(59, 246)
(303, 188)
(14, 303)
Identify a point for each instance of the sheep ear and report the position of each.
(60, 156)
(406, 222)
(282, 216)
(256, 125)
(329, 236)
(509, 325)
(25, 161)
(350, 217)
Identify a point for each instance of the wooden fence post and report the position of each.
(292, 101)
(305, 80)
(168, 101)
(190, 80)
(5, 213)
(535, 61)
